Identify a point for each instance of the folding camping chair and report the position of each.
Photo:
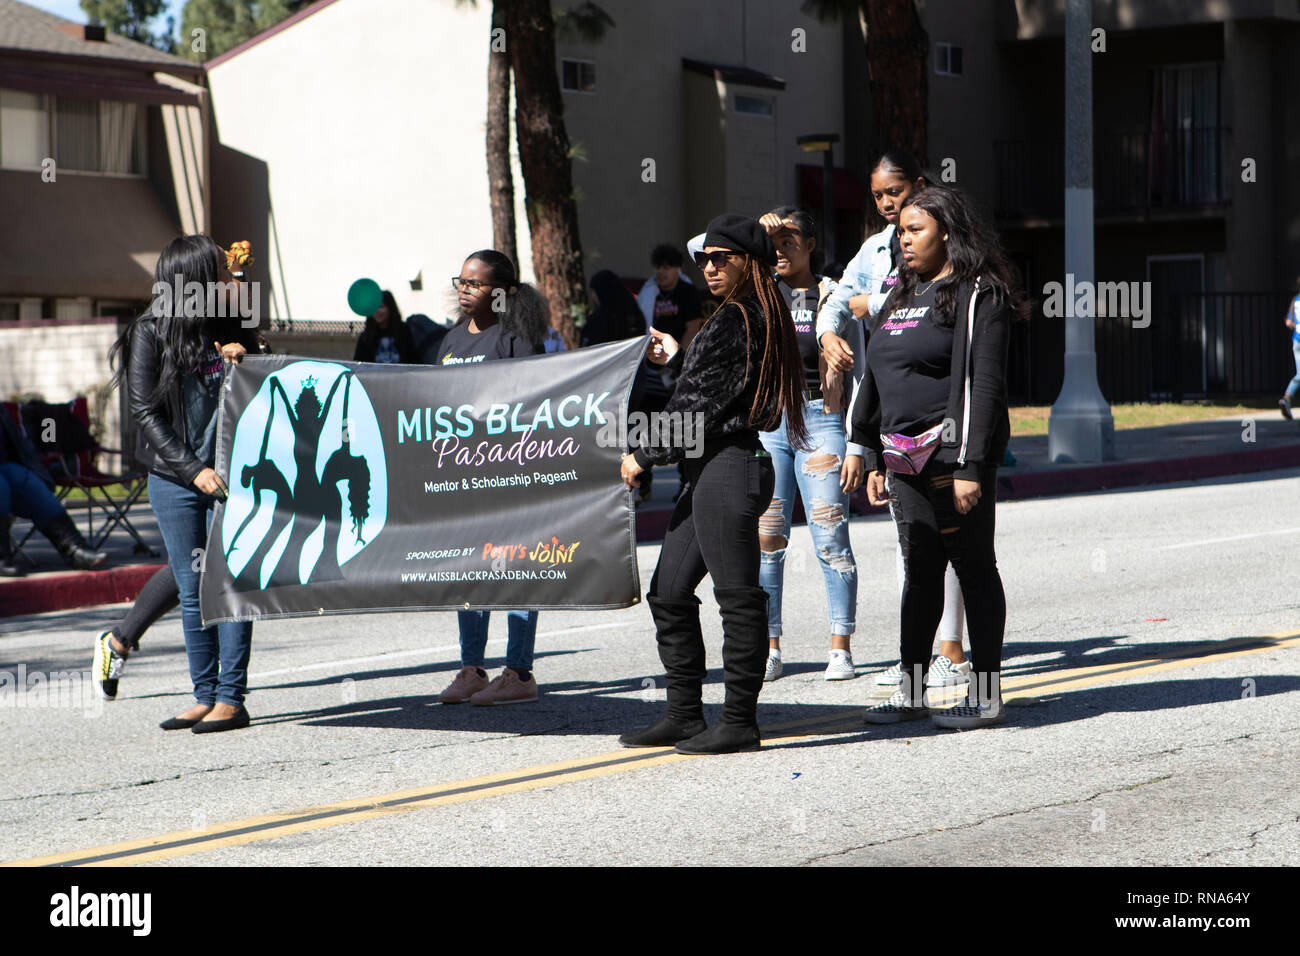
(61, 434)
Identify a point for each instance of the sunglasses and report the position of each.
(472, 285)
(718, 259)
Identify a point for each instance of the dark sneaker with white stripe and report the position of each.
(107, 665)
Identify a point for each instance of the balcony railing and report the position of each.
(1134, 171)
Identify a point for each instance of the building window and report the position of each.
(753, 105)
(947, 59)
(95, 136)
(578, 76)
(24, 129)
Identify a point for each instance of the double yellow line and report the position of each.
(271, 826)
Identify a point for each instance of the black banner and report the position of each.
(359, 487)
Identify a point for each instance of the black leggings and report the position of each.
(932, 534)
(156, 598)
(714, 527)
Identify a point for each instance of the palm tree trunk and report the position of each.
(896, 48)
(546, 165)
(501, 183)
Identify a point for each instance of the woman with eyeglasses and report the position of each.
(932, 411)
(742, 374)
(501, 318)
(827, 472)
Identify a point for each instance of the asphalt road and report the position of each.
(1145, 726)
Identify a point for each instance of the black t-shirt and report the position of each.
(910, 355)
(802, 304)
(895, 257)
(463, 347)
(674, 309)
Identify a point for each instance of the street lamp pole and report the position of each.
(1080, 427)
(823, 143)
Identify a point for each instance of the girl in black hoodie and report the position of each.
(741, 374)
(932, 408)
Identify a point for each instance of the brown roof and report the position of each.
(25, 28)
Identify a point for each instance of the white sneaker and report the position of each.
(773, 670)
(840, 666)
(944, 673)
(891, 677)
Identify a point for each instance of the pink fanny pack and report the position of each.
(907, 454)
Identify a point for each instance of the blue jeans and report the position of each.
(1294, 385)
(23, 494)
(521, 631)
(815, 476)
(218, 654)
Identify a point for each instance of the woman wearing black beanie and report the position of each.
(742, 373)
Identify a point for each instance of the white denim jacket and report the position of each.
(864, 274)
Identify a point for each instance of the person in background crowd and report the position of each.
(742, 372)
(1293, 323)
(937, 356)
(485, 335)
(615, 316)
(826, 473)
(27, 490)
(171, 365)
(426, 337)
(113, 646)
(866, 282)
(385, 337)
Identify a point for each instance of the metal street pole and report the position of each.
(1080, 427)
(824, 143)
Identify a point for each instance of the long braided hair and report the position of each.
(780, 371)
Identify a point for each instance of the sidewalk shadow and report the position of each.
(1106, 651)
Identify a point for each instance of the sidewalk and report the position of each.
(1144, 456)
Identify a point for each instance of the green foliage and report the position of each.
(130, 18)
(227, 23)
(584, 21)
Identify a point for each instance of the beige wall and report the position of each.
(641, 110)
(369, 117)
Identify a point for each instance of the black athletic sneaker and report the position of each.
(107, 666)
(1285, 405)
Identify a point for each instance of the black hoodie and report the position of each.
(977, 425)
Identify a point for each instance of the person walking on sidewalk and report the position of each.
(743, 374)
(1293, 323)
(827, 472)
(932, 411)
(171, 360)
(483, 335)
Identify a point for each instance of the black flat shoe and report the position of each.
(239, 720)
(177, 723)
(664, 732)
(722, 739)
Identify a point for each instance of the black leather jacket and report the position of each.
(162, 447)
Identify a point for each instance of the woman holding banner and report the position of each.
(501, 318)
(742, 373)
(171, 361)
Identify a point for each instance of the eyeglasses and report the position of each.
(718, 259)
(473, 285)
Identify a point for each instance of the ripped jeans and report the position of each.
(815, 476)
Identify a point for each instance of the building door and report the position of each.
(1178, 333)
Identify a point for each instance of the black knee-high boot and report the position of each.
(681, 649)
(744, 654)
(65, 537)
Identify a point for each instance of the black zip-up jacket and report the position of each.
(979, 427)
(162, 447)
(719, 378)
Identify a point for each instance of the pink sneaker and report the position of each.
(507, 689)
(466, 685)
